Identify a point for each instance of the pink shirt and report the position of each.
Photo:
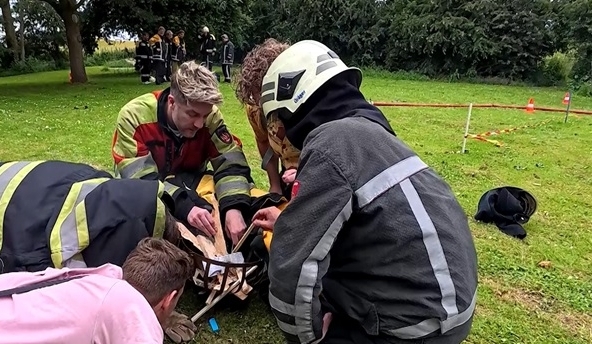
(99, 308)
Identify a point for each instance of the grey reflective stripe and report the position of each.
(267, 158)
(138, 165)
(309, 274)
(142, 56)
(323, 57)
(325, 66)
(281, 306)
(267, 98)
(170, 188)
(291, 329)
(230, 158)
(434, 248)
(10, 172)
(76, 262)
(268, 87)
(225, 187)
(388, 179)
(69, 228)
(430, 325)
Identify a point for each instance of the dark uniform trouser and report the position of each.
(145, 70)
(208, 62)
(169, 68)
(346, 331)
(160, 71)
(226, 71)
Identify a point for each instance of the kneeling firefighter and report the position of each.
(373, 246)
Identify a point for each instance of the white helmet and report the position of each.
(297, 73)
(205, 29)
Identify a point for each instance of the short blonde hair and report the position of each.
(193, 83)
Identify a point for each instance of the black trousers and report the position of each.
(160, 71)
(145, 70)
(169, 70)
(226, 71)
(345, 331)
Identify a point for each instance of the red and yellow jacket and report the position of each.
(144, 147)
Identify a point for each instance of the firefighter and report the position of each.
(62, 214)
(226, 56)
(168, 40)
(144, 58)
(179, 52)
(159, 54)
(371, 225)
(207, 47)
(270, 136)
(172, 135)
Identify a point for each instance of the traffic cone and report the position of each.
(566, 99)
(530, 106)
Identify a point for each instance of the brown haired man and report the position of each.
(108, 304)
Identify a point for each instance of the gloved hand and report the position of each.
(179, 328)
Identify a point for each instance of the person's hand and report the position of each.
(235, 225)
(326, 322)
(202, 219)
(289, 176)
(266, 217)
(179, 328)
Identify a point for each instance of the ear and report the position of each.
(171, 100)
(169, 299)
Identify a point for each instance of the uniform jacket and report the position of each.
(61, 214)
(179, 49)
(144, 147)
(143, 53)
(227, 53)
(170, 49)
(373, 228)
(208, 44)
(159, 49)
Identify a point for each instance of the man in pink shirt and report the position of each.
(107, 304)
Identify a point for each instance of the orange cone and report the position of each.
(566, 99)
(530, 106)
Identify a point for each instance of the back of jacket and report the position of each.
(55, 210)
(381, 230)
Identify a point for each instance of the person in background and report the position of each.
(106, 304)
(207, 47)
(144, 58)
(179, 52)
(227, 57)
(270, 135)
(158, 46)
(168, 39)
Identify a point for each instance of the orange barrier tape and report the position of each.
(580, 112)
(481, 138)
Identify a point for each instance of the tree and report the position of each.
(68, 11)
(9, 28)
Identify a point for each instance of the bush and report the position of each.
(555, 70)
(31, 65)
(103, 57)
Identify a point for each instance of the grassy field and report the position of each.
(520, 300)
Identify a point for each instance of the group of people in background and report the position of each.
(163, 53)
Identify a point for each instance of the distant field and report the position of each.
(520, 299)
(104, 46)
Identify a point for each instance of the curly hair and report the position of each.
(193, 83)
(254, 67)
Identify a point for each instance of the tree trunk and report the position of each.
(9, 28)
(72, 22)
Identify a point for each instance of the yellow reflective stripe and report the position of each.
(69, 234)
(160, 189)
(137, 167)
(11, 175)
(170, 188)
(159, 221)
(232, 186)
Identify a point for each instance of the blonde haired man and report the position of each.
(172, 135)
(107, 304)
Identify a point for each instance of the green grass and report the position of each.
(43, 117)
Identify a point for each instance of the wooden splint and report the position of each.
(212, 249)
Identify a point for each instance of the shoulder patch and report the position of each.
(223, 134)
